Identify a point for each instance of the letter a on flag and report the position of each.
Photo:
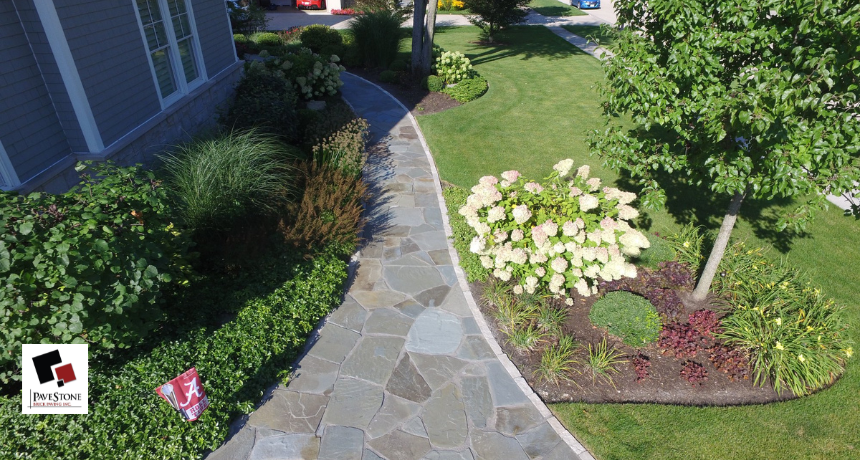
(185, 394)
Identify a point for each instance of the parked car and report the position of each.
(586, 4)
(311, 4)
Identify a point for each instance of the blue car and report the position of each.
(586, 4)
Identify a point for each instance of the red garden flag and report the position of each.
(185, 393)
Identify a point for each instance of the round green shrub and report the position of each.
(660, 251)
(628, 316)
(468, 89)
(399, 65)
(333, 50)
(388, 76)
(240, 38)
(266, 39)
(265, 102)
(318, 36)
(435, 83)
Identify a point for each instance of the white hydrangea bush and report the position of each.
(312, 75)
(453, 67)
(568, 232)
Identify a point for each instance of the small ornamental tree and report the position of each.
(755, 99)
(494, 15)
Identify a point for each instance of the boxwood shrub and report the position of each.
(627, 316)
(467, 90)
(272, 316)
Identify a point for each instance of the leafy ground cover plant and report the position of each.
(273, 310)
(705, 322)
(694, 373)
(680, 340)
(628, 316)
(658, 286)
(564, 233)
(731, 360)
(86, 266)
(455, 198)
(558, 361)
(640, 363)
(467, 90)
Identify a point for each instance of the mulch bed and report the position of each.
(419, 101)
(664, 385)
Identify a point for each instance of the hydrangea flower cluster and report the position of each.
(311, 74)
(565, 233)
(453, 66)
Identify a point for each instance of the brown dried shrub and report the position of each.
(330, 210)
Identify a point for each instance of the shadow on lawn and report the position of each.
(524, 42)
(699, 205)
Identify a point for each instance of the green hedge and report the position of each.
(467, 90)
(455, 198)
(236, 362)
(87, 265)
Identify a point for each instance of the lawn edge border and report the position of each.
(509, 366)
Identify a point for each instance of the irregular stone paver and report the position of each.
(408, 383)
(445, 418)
(402, 369)
(341, 443)
(401, 445)
(290, 412)
(435, 332)
(373, 359)
(286, 447)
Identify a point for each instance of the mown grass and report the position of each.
(555, 8)
(542, 99)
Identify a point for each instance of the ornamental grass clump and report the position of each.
(566, 233)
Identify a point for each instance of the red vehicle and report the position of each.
(310, 4)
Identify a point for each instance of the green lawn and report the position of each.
(592, 33)
(542, 99)
(555, 8)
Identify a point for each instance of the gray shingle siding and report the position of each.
(216, 39)
(105, 41)
(51, 75)
(29, 128)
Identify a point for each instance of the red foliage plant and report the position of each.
(345, 11)
(641, 363)
(705, 322)
(732, 361)
(680, 340)
(694, 373)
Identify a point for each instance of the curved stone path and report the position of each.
(405, 368)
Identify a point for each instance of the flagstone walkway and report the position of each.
(405, 368)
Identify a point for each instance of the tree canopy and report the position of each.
(494, 15)
(753, 98)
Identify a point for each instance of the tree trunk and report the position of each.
(418, 36)
(429, 32)
(704, 284)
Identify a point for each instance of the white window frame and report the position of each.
(182, 87)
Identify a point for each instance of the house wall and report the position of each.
(104, 38)
(216, 37)
(30, 130)
(51, 74)
(192, 114)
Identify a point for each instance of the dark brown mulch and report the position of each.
(664, 385)
(408, 91)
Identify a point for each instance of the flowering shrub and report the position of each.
(345, 11)
(565, 233)
(311, 75)
(453, 66)
(449, 5)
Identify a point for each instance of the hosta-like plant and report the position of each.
(568, 232)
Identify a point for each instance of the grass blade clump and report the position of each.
(219, 181)
(377, 35)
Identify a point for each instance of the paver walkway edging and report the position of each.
(406, 367)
